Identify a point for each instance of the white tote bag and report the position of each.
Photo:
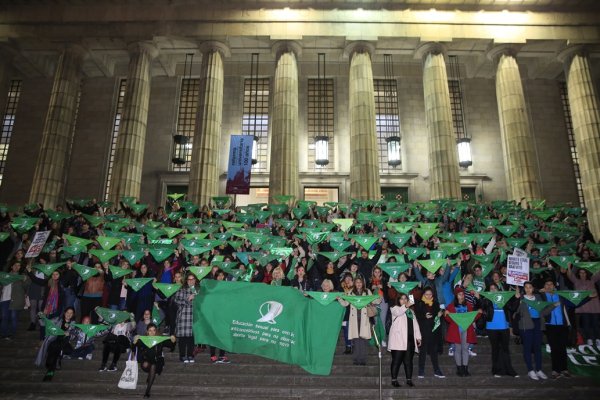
(129, 377)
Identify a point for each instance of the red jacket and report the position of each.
(453, 335)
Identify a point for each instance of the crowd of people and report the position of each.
(439, 271)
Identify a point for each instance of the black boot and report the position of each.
(466, 371)
(395, 383)
(31, 327)
(409, 383)
(459, 370)
(348, 350)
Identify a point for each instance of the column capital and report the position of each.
(77, 51)
(505, 49)
(566, 55)
(360, 46)
(427, 48)
(286, 46)
(147, 47)
(213, 45)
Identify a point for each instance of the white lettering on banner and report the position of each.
(262, 333)
(517, 270)
(37, 244)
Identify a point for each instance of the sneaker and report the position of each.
(450, 352)
(472, 353)
(590, 342)
(89, 356)
(213, 359)
(555, 375)
(191, 360)
(541, 375)
(439, 374)
(497, 376)
(102, 368)
(224, 360)
(421, 376)
(186, 360)
(566, 374)
(112, 368)
(533, 375)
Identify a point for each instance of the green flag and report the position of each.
(93, 219)
(138, 283)
(452, 248)
(593, 267)
(151, 341)
(564, 261)
(200, 272)
(394, 269)
(112, 316)
(498, 298)
(400, 227)
(138, 208)
(537, 305)
(133, 256)
(50, 328)
(415, 252)
(404, 287)
(436, 323)
(438, 254)
(91, 330)
(168, 289)
(464, 320)
(344, 223)
(7, 279)
(516, 242)
(399, 239)
(161, 254)
(340, 245)
(104, 255)
(484, 258)
(195, 250)
(316, 237)
(425, 233)
(281, 252)
(324, 298)
(360, 302)
(172, 232)
(48, 269)
(4, 236)
(274, 322)
(85, 272)
(73, 250)
(118, 272)
(77, 241)
(108, 243)
(333, 256)
(432, 265)
(365, 241)
(574, 296)
(507, 230)
(156, 315)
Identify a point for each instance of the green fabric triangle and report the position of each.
(399, 239)
(281, 252)
(51, 329)
(415, 252)
(196, 250)
(154, 233)
(393, 269)
(400, 227)
(593, 267)
(333, 256)
(118, 272)
(137, 283)
(404, 287)
(516, 242)
(432, 265)
(57, 216)
(537, 305)
(104, 255)
(232, 225)
(93, 219)
(154, 224)
(464, 320)
(339, 245)
(564, 261)
(85, 272)
(91, 330)
(168, 289)
(360, 302)
(484, 258)
(132, 256)
(498, 298)
(48, 269)
(438, 254)
(323, 298)
(344, 223)
(138, 208)
(161, 255)
(175, 196)
(200, 272)
(464, 239)
(172, 232)
(278, 209)
(365, 241)
(483, 238)
(108, 243)
(574, 296)
(77, 241)
(151, 341)
(425, 233)
(8, 278)
(74, 250)
(316, 237)
(112, 316)
(23, 224)
(507, 230)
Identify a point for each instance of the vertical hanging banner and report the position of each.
(37, 244)
(240, 164)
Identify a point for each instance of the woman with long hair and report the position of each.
(12, 301)
(455, 334)
(184, 298)
(116, 343)
(588, 312)
(428, 314)
(378, 285)
(404, 339)
(151, 358)
(359, 324)
(55, 296)
(60, 344)
(347, 285)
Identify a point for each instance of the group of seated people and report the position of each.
(419, 298)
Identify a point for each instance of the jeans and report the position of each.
(461, 352)
(532, 343)
(359, 347)
(121, 306)
(8, 325)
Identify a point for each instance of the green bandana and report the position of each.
(112, 316)
(360, 302)
(85, 272)
(167, 289)
(404, 287)
(464, 320)
(91, 330)
(137, 283)
(151, 341)
(118, 272)
(498, 298)
(323, 298)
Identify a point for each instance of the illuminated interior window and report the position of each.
(186, 118)
(8, 122)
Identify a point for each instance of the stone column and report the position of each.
(364, 162)
(204, 173)
(585, 113)
(51, 165)
(129, 152)
(283, 170)
(522, 178)
(444, 178)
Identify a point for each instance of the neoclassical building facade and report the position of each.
(96, 96)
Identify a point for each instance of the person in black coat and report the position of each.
(151, 358)
(426, 310)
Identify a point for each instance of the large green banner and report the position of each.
(584, 360)
(270, 321)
